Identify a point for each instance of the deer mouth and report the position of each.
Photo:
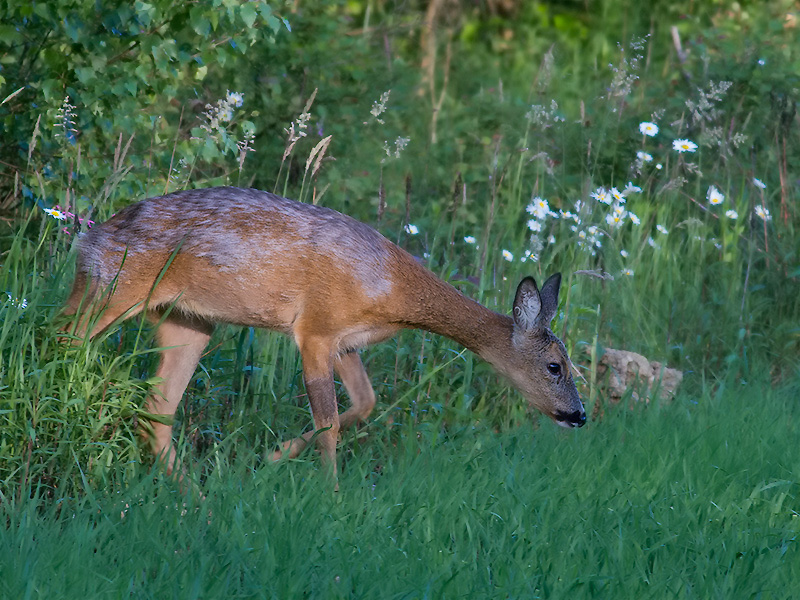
(571, 420)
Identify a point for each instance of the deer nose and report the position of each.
(574, 419)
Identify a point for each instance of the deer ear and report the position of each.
(533, 308)
(527, 304)
(549, 297)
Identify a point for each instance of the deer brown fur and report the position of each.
(191, 259)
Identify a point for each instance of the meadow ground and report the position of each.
(694, 498)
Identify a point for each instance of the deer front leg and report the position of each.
(354, 377)
(318, 379)
(324, 410)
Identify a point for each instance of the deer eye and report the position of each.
(554, 368)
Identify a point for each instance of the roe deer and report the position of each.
(194, 258)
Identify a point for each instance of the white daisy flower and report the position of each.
(538, 207)
(648, 128)
(235, 98)
(411, 229)
(602, 195)
(623, 253)
(627, 272)
(470, 239)
(763, 212)
(631, 189)
(732, 214)
(662, 229)
(759, 184)
(55, 213)
(644, 156)
(714, 196)
(534, 225)
(684, 146)
(508, 256)
(565, 214)
(613, 219)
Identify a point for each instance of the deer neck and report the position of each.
(440, 308)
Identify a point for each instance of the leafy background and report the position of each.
(439, 123)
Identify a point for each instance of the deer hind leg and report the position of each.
(183, 340)
(356, 381)
(354, 377)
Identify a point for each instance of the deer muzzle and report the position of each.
(576, 418)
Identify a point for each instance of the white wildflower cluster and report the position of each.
(65, 120)
(624, 74)
(703, 109)
(590, 239)
(20, 303)
(545, 71)
(178, 174)
(297, 128)
(762, 212)
(722, 139)
(379, 106)
(245, 146)
(399, 145)
(217, 116)
(539, 209)
(617, 200)
(543, 117)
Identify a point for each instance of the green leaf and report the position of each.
(85, 74)
(9, 35)
(248, 14)
(199, 21)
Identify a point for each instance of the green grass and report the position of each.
(697, 498)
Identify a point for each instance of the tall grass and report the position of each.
(653, 503)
